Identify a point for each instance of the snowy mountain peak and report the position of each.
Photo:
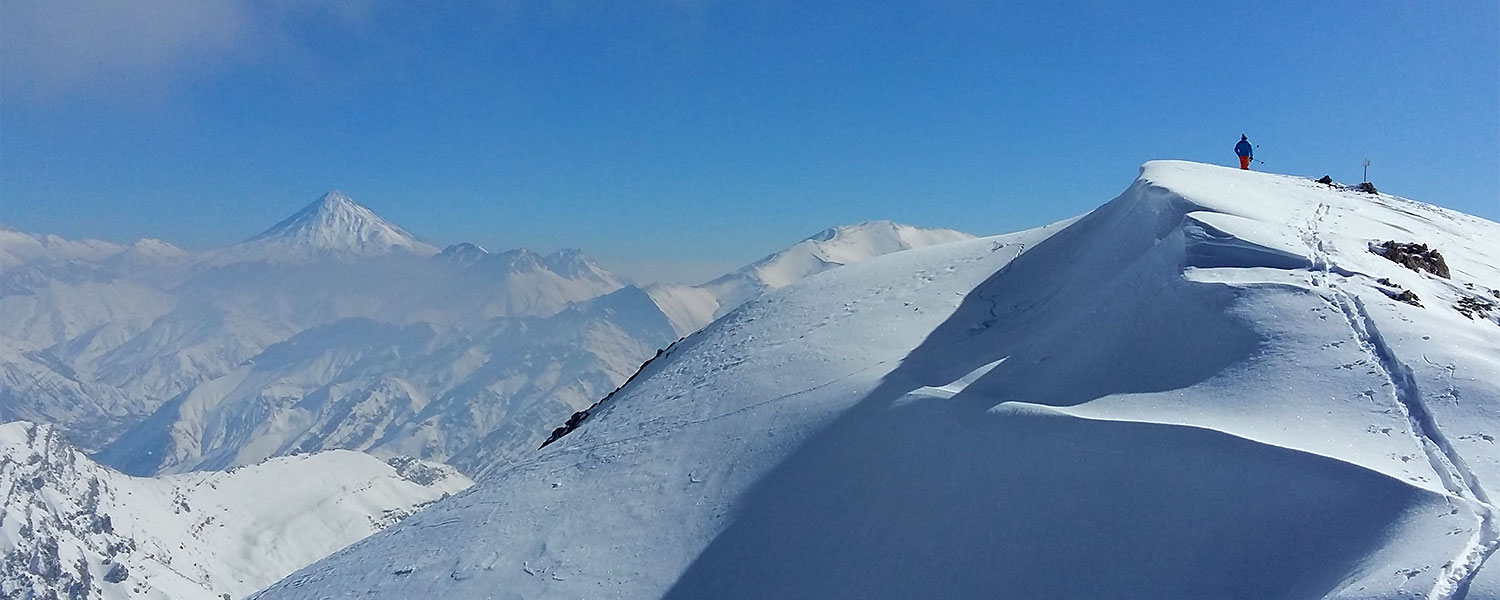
(569, 264)
(519, 260)
(830, 248)
(863, 228)
(884, 232)
(845, 245)
(574, 264)
(337, 224)
(463, 254)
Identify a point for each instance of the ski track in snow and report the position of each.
(1446, 461)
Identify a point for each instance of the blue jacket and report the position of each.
(1243, 149)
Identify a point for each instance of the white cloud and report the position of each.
(61, 46)
(52, 48)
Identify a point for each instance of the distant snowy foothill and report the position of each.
(1221, 384)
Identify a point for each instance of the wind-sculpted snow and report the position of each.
(70, 528)
(1200, 390)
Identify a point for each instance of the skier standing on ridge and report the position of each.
(1245, 152)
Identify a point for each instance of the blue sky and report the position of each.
(676, 140)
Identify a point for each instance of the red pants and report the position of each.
(1245, 163)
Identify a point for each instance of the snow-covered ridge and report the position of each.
(75, 528)
(847, 244)
(18, 248)
(1205, 388)
(692, 307)
(827, 249)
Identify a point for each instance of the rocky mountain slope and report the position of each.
(74, 529)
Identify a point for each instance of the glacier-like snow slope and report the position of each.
(76, 529)
(1200, 390)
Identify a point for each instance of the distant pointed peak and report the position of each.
(574, 263)
(336, 223)
(519, 259)
(569, 256)
(337, 200)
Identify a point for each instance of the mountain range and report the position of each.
(232, 383)
(1220, 384)
(336, 328)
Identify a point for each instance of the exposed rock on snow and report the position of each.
(1198, 390)
(576, 420)
(1474, 307)
(1406, 296)
(1417, 257)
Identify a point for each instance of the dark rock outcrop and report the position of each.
(117, 573)
(578, 417)
(1414, 256)
(1474, 307)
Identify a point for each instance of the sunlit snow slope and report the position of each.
(73, 528)
(1206, 388)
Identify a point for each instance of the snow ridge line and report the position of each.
(664, 429)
